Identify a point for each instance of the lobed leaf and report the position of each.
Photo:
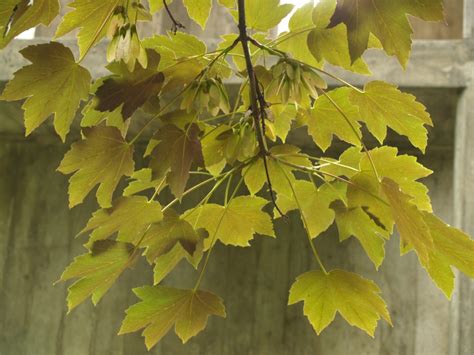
(162, 307)
(53, 84)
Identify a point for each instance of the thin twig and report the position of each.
(176, 24)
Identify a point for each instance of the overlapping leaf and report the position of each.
(162, 307)
(313, 204)
(281, 175)
(382, 105)
(199, 10)
(103, 157)
(224, 223)
(387, 20)
(17, 16)
(170, 241)
(263, 15)
(143, 180)
(355, 298)
(130, 91)
(92, 18)
(130, 217)
(97, 271)
(52, 84)
(175, 153)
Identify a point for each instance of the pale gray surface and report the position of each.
(37, 242)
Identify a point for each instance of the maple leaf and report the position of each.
(331, 44)
(52, 84)
(326, 120)
(17, 16)
(170, 241)
(92, 18)
(356, 222)
(224, 223)
(130, 91)
(409, 220)
(157, 5)
(255, 176)
(347, 165)
(199, 10)
(103, 157)
(130, 217)
(387, 20)
(263, 15)
(162, 307)
(452, 247)
(402, 169)
(356, 299)
(97, 271)
(313, 204)
(176, 151)
(382, 105)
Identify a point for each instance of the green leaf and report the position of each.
(130, 218)
(227, 3)
(17, 16)
(162, 307)
(255, 177)
(103, 157)
(283, 116)
(313, 204)
(331, 44)
(263, 15)
(143, 180)
(199, 10)
(92, 18)
(387, 20)
(347, 165)
(97, 271)
(409, 220)
(356, 222)
(175, 153)
(356, 299)
(402, 169)
(52, 84)
(130, 91)
(170, 241)
(452, 247)
(326, 120)
(157, 5)
(224, 223)
(382, 105)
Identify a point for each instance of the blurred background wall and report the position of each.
(37, 233)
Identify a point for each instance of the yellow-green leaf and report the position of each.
(224, 223)
(168, 242)
(129, 217)
(143, 180)
(326, 119)
(313, 204)
(356, 222)
(52, 84)
(92, 18)
(199, 10)
(17, 16)
(387, 20)
(103, 157)
(403, 169)
(97, 271)
(255, 176)
(162, 307)
(409, 220)
(452, 247)
(263, 15)
(356, 299)
(382, 105)
(157, 5)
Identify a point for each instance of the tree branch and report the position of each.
(257, 100)
(176, 24)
